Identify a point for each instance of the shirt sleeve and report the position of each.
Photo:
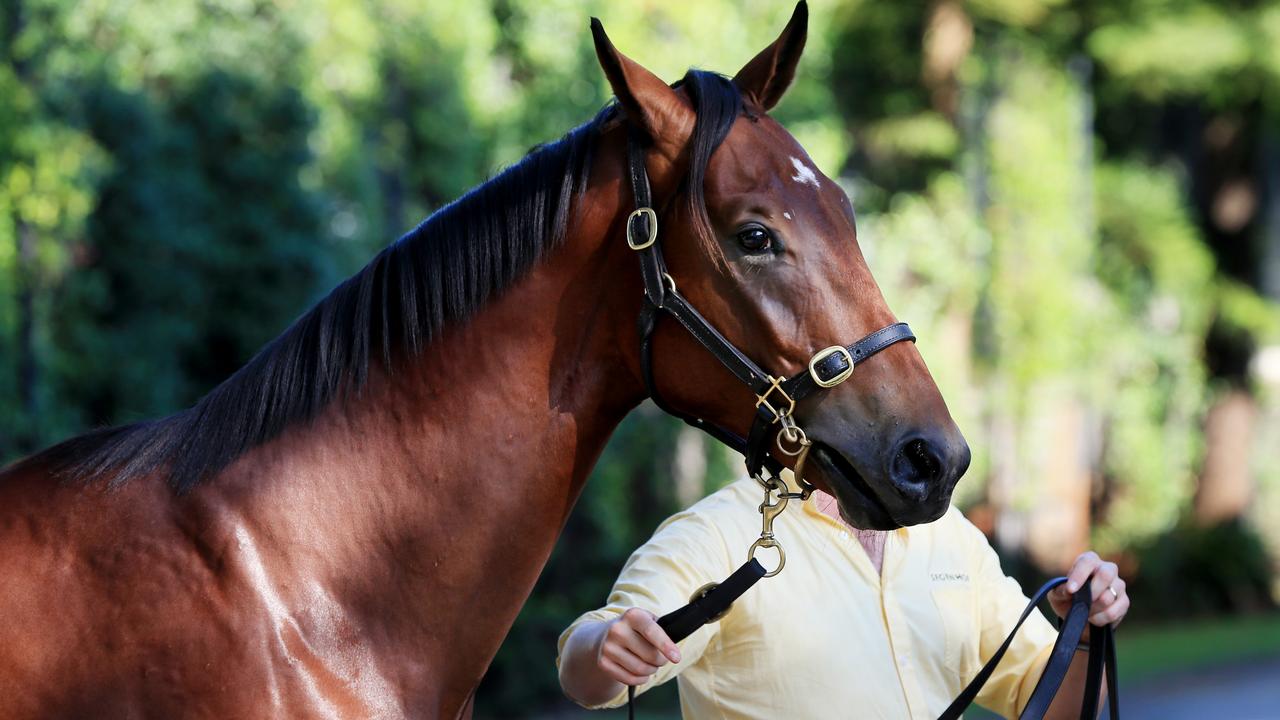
(1001, 602)
(685, 553)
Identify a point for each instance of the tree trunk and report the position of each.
(689, 466)
(948, 38)
(1270, 250)
(1226, 482)
(1058, 528)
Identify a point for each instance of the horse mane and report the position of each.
(438, 274)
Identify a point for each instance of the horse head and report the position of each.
(764, 246)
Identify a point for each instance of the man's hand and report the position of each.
(1110, 601)
(634, 646)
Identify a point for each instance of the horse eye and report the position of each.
(755, 239)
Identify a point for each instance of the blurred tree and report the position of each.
(47, 168)
(203, 244)
(1075, 204)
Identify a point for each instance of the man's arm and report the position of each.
(601, 657)
(621, 644)
(1011, 685)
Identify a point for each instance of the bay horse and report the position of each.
(348, 525)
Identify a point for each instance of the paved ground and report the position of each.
(1246, 691)
(1243, 691)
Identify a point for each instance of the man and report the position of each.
(859, 624)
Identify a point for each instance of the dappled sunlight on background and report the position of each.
(1075, 205)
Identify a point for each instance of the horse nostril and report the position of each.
(915, 470)
(923, 461)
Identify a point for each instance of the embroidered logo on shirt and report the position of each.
(949, 577)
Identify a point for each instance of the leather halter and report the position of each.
(776, 397)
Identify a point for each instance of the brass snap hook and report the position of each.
(769, 511)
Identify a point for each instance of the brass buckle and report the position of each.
(701, 593)
(823, 355)
(653, 228)
(775, 383)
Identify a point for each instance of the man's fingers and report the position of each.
(1081, 570)
(615, 671)
(1109, 603)
(1103, 576)
(659, 639)
(640, 645)
(1112, 614)
(648, 639)
(637, 618)
(628, 660)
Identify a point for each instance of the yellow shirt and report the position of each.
(828, 637)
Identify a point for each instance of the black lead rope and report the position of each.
(1102, 658)
(1102, 650)
(706, 607)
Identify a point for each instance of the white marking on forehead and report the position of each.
(786, 215)
(804, 173)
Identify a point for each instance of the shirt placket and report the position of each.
(902, 640)
(892, 614)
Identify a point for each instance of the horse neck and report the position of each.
(430, 502)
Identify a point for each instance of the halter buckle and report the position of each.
(775, 384)
(839, 377)
(653, 228)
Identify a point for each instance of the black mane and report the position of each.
(438, 274)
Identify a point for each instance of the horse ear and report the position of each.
(649, 102)
(769, 74)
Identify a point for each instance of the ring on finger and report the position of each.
(1114, 595)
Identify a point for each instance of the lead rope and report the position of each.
(1102, 651)
(1102, 661)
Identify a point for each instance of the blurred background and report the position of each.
(1076, 205)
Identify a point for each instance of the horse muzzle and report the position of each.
(912, 485)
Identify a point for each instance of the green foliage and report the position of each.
(179, 180)
(1175, 52)
(1161, 278)
(1242, 311)
(166, 262)
(1189, 571)
(914, 250)
(1150, 650)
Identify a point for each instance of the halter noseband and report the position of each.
(776, 397)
